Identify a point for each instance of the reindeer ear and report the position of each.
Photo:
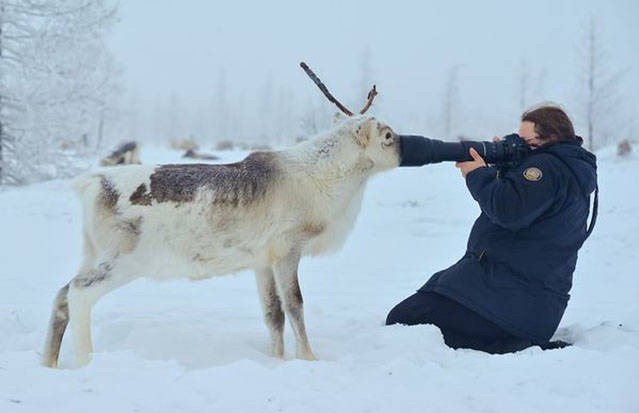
(339, 117)
(363, 133)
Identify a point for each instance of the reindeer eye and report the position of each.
(388, 140)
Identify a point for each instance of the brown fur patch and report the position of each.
(273, 311)
(131, 230)
(312, 230)
(59, 320)
(88, 278)
(296, 291)
(109, 195)
(233, 184)
(140, 196)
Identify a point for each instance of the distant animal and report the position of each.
(624, 148)
(203, 220)
(126, 153)
(183, 144)
(193, 154)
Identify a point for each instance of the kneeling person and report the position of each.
(510, 289)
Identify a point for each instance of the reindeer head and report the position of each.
(379, 142)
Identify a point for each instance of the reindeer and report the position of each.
(202, 220)
(193, 154)
(125, 154)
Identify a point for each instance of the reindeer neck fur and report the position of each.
(336, 180)
(339, 162)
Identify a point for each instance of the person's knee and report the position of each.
(411, 311)
(396, 316)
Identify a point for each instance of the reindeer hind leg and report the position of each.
(84, 291)
(57, 326)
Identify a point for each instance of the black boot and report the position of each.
(551, 345)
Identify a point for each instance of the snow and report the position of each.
(202, 346)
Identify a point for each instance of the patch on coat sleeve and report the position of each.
(533, 174)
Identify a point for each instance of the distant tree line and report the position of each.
(276, 115)
(59, 91)
(599, 104)
(58, 84)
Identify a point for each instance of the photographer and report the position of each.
(510, 289)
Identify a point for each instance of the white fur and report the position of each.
(308, 209)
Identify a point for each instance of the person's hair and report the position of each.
(552, 124)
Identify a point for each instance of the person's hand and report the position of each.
(469, 166)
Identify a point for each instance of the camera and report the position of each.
(418, 150)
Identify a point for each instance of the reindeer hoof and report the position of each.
(306, 355)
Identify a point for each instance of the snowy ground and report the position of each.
(202, 347)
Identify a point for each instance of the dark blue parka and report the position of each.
(522, 250)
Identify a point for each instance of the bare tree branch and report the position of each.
(331, 98)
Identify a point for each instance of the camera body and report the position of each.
(418, 150)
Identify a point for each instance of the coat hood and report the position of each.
(580, 161)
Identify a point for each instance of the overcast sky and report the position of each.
(183, 47)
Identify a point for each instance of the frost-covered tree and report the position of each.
(283, 117)
(524, 85)
(366, 71)
(601, 87)
(58, 84)
(449, 103)
(531, 88)
(221, 108)
(316, 117)
(174, 114)
(266, 109)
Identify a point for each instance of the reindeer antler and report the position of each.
(371, 96)
(331, 98)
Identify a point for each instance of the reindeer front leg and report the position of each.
(272, 306)
(285, 274)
